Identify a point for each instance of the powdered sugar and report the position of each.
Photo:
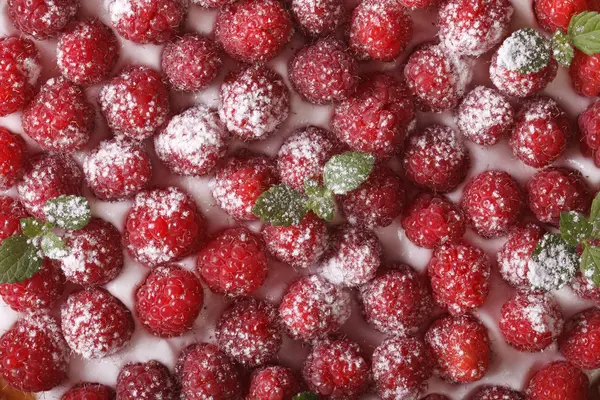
(553, 266)
(319, 17)
(514, 257)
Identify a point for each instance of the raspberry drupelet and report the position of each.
(556, 14)
(273, 383)
(193, 142)
(20, 68)
(13, 153)
(254, 102)
(313, 308)
(585, 288)
(319, 18)
(256, 42)
(589, 126)
(584, 72)
(324, 72)
(163, 225)
(148, 380)
(89, 391)
(86, 52)
(42, 19)
(558, 380)
(11, 213)
(489, 392)
(580, 341)
(135, 102)
(234, 262)
(514, 257)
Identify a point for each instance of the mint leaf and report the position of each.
(575, 227)
(306, 396)
(280, 206)
(553, 263)
(562, 49)
(33, 227)
(595, 211)
(346, 172)
(19, 259)
(320, 200)
(584, 32)
(68, 212)
(53, 246)
(590, 263)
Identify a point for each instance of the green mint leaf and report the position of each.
(53, 246)
(68, 212)
(346, 172)
(320, 200)
(595, 212)
(553, 263)
(562, 49)
(306, 396)
(33, 227)
(584, 32)
(280, 206)
(525, 51)
(590, 263)
(19, 259)
(575, 227)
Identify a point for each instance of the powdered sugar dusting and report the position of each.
(554, 266)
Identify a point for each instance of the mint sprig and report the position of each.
(575, 227)
(19, 259)
(346, 172)
(590, 263)
(583, 34)
(281, 206)
(306, 396)
(68, 212)
(320, 200)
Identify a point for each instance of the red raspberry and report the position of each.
(149, 380)
(87, 52)
(377, 117)
(336, 369)
(556, 14)
(13, 153)
(492, 203)
(59, 118)
(461, 348)
(559, 380)
(42, 19)
(585, 288)
(240, 181)
(489, 392)
(473, 28)
(273, 383)
(89, 391)
(513, 258)
(20, 68)
(192, 142)
(460, 277)
(436, 158)
(431, 220)
(259, 41)
(401, 367)
(254, 102)
(46, 177)
(117, 169)
(33, 354)
(313, 308)
(319, 17)
(11, 212)
(212, 3)
(485, 116)
(323, 72)
(580, 341)
(589, 125)
(136, 102)
(435, 396)
(380, 29)
(555, 190)
(585, 77)
(163, 225)
(397, 302)
(437, 78)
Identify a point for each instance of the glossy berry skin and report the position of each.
(148, 380)
(319, 18)
(11, 213)
(12, 158)
(558, 380)
(513, 258)
(42, 19)
(580, 340)
(89, 391)
(585, 77)
(20, 68)
(273, 383)
(589, 126)
(490, 392)
(556, 14)
(585, 288)
(169, 301)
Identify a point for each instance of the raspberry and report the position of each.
(255, 42)
(431, 220)
(11, 212)
(46, 177)
(149, 380)
(163, 225)
(556, 14)
(254, 102)
(492, 203)
(585, 288)
(435, 397)
(377, 117)
(87, 52)
(323, 72)
(240, 181)
(313, 308)
(460, 277)
(580, 341)
(558, 380)
(513, 258)
(437, 78)
(117, 169)
(191, 62)
(136, 102)
(397, 302)
(336, 369)
(319, 17)
(589, 125)
(13, 153)
(485, 116)
(192, 142)
(89, 391)
(473, 28)
(59, 118)
(556, 190)
(436, 158)
(212, 3)
(169, 301)
(401, 367)
(33, 354)
(273, 383)
(20, 68)
(585, 77)
(490, 392)
(42, 19)
(380, 29)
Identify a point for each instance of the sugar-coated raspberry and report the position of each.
(556, 14)
(87, 52)
(12, 158)
(437, 78)
(89, 391)
(240, 181)
(556, 190)
(589, 126)
(42, 19)
(259, 41)
(377, 117)
(20, 68)
(513, 258)
(435, 396)
(148, 380)
(489, 392)
(584, 72)
(273, 383)
(460, 277)
(319, 17)
(401, 367)
(436, 158)
(46, 177)
(254, 102)
(485, 116)
(212, 3)
(136, 102)
(336, 369)
(312, 308)
(324, 72)
(163, 225)
(580, 341)
(192, 142)
(585, 288)
(11, 212)
(558, 380)
(60, 118)
(473, 28)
